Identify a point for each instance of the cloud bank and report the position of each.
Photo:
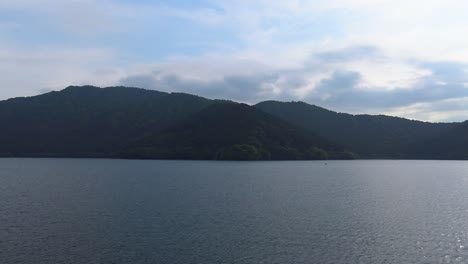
(361, 56)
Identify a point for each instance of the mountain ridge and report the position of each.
(236, 132)
(88, 121)
(370, 135)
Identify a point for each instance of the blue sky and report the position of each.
(405, 58)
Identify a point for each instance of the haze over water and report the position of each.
(114, 211)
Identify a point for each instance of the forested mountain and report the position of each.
(127, 122)
(88, 121)
(451, 145)
(372, 136)
(235, 132)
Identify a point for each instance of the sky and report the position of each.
(395, 57)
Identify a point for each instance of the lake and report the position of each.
(121, 211)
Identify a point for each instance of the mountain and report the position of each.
(128, 122)
(450, 145)
(377, 136)
(89, 121)
(235, 132)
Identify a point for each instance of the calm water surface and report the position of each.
(113, 211)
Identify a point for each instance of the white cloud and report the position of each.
(396, 43)
(25, 72)
(387, 75)
(440, 111)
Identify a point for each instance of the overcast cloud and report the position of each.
(406, 58)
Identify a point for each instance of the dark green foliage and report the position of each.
(232, 132)
(88, 121)
(316, 153)
(136, 123)
(450, 145)
(371, 136)
(242, 152)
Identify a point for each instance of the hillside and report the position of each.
(450, 145)
(88, 121)
(127, 122)
(371, 136)
(235, 132)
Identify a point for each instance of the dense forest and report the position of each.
(235, 132)
(372, 136)
(123, 122)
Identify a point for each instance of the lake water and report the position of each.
(114, 211)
